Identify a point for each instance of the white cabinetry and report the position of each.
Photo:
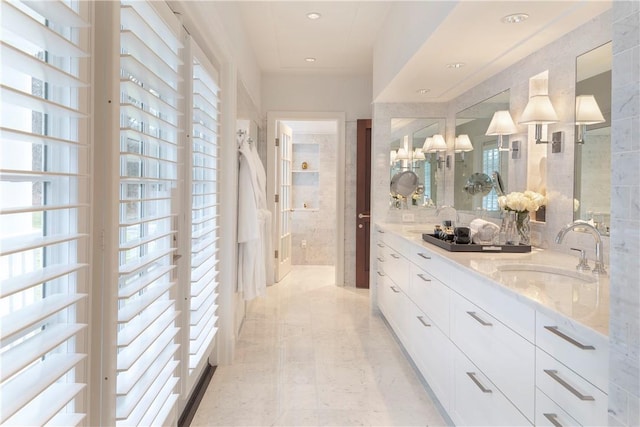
(489, 357)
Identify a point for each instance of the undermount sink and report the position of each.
(542, 274)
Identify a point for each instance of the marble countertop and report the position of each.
(583, 299)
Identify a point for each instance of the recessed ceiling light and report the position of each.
(515, 18)
(455, 65)
(423, 91)
(313, 15)
(310, 59)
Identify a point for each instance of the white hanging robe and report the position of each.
(261, 176)
(252, 280)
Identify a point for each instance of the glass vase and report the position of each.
(512, 236)
(523, 227)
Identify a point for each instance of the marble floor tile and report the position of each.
(312, 354)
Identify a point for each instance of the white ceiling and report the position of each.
(342, 40)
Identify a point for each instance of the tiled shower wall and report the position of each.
(624, 320)
(317, 225)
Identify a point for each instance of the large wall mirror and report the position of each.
(592, 178)
(472, 191)
(408, 136)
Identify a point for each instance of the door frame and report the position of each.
(339, 118)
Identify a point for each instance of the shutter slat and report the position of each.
(9, 135)
(144, 261)
(43, 408)
(18, 98)
(144, 116)
(25, 387)
(132, 353)
(17, 321)
(23, 354)
(136, 68)
(134, 308)
(197, 329)
(161, 403)
(132, 45)
(39, 208)
(195, 358)
(18, 22)
(126, 404)
(136, 286)
(58, 12)
(137, 326)
(17, 284)
(208, 331)
(136, 243)
(154, 21)
(41, 70)
(198, 302)
(128, 379)
(141, 94)
(14, 244)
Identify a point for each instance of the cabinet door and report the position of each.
(503, 355)
(477, 401)
(578, 397)
(431, 352)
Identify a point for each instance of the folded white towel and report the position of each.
(483, 231)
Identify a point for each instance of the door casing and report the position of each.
(274, 116)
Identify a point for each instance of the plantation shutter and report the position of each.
(149, 121)
(44, 213)
(205, 211)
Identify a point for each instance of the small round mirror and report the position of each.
(404, 183)
(478, 183)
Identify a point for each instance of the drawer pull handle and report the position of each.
(424, 255)
(553, 419)
(380, 245)
(556, 331)
(421, 319)
(393, 288)
(423, 278)
(381, 274)
(554, 374)
(380, 259)
(472, 375)
(481, 321)
(395, 256)
(381, 231)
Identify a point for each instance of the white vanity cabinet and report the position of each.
(490, 355)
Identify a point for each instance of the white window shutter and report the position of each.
(148, 358)
(44, 213)
(204, 210)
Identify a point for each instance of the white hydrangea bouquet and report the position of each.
(521, 204)
(529, 201)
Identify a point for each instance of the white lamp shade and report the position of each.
(426, 147)
(587, 110)
(402, 154)
(392, 156)
(501, 124)
(539, 111)
(438, 144)
(463, 144)
(418, 154)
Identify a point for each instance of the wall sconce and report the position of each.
(587, 113)
(392, 157)
(501, 124)
(402, 154)
(539, 111)
(462, 145)
(418, 154)
(438, 144)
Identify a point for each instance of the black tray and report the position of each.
(454, 247)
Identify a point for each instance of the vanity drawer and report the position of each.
(431, 296)
(396, 267)
(503, 355)
(431, 352)
(429, 262)
(477, 401)
(549, 414)
(392, 303)
(585, 351)
(578, 397)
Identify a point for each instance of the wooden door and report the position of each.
(363, 203)
(283, 199)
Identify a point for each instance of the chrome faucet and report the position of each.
(579, 223)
